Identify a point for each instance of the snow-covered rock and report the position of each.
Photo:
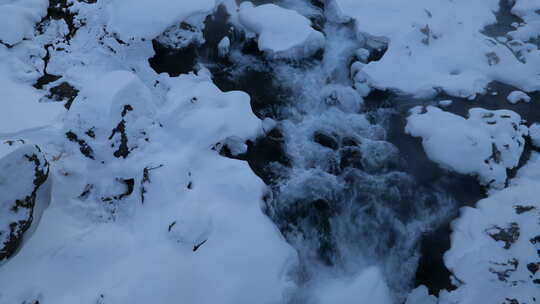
(420, 295)
(485, 144)
(534, 134)
(224, 46)
(21, 106)
(281, 32)
(517, 96)
(426, 40)
(18, 18)
(148, 18)
(495, 251)
(23, 170)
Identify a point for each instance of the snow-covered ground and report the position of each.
(122, 185)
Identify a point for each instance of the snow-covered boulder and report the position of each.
(534, 134)
(485, 144)
(21, 105)
(495, 249)
(517, 96)
(17, 19)
(110, 115)
(281, 32)
(148, 18)
(23, 169)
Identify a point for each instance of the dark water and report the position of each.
(350, 209)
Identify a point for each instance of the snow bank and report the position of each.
(438, 45)
(281, 32)
(148, 18)
(17, 19)
(485, 144)
(495, 251)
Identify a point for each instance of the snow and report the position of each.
(425, 40)
(517, 96)
(149, 18)
(486, 144)
(445, 103)
(21, 106)
(17, 19)
(528, 11)
(281, 32)
(493, 246)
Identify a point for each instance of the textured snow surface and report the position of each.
(17, 19)
(495, 253)
(23, 169)
(439, 45)
(517, 96)
(528, 11)
(486, 144)
(21, 106)
(281, 32)
(130, 251)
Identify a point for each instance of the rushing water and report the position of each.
(348, 188)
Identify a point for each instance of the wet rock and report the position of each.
(22, 172)
(325, 140)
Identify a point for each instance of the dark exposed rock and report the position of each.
(522, 209)
(197, 246)
(533, 267)
(123, 149)
(85, 149)
(503, 271)
(145, 180)
(507, 235)
(129, 184)
(63, 92)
